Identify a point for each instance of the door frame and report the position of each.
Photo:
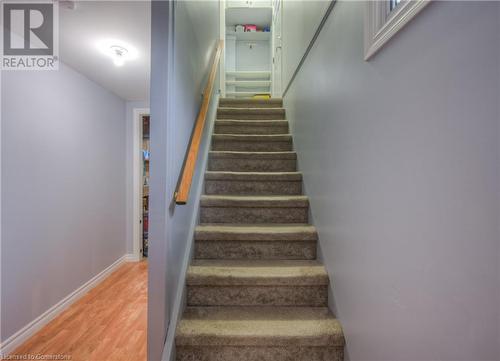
(137, 182)
(222, 36)
(277, 43)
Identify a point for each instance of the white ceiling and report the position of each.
(82, 28)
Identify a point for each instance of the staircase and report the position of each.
(255, 291)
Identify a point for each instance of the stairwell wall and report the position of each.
(176, 96)
(400, 157)
(300, 21)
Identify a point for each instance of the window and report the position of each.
(383, 19)
(393, 4)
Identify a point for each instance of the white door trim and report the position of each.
(137, 182)
(222, 36)
(277, 50)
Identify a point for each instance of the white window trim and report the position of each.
(381, 24)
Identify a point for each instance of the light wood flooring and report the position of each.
(108, 323)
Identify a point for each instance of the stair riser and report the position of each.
(256, 353)
(251, 129)
(248, 146)
(257, 250)
(253, 187)
(251, 114)
(252, 165)
(313, 296)
(244, 103)
(253, 215)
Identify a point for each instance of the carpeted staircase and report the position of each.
(255, 291)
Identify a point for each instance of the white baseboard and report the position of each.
(34, 326)
(131, 257)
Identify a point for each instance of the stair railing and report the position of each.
(181, 194)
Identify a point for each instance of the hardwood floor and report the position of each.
(108, 323)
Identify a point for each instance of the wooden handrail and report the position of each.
(182, 193)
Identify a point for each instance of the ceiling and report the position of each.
(89, 23)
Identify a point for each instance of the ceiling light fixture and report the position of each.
(119, 51)
(119, 54)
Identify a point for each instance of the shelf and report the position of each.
(250, 35)
(248, 3)
(249, 83)
(245, 94)
(260, 16)
(249, 74)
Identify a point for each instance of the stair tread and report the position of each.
(253, 155)
(254, 99)
(255, 232)
(268, 137)
(259, 326)
(234, 101)
(252, 110)
(270, 198)
(254, 201)
(253, 176)
(257, 272)
(252, 121)
(250, 113)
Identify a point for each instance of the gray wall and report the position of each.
(300, 21)
(192, 60)
(183, 43)
(401, 160)
(159, 181)
(63, 188)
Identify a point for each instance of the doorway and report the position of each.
(251, 63)
(146, 152)
(142, 155)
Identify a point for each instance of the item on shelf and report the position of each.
(261, 96)
(145, 126)
(266, 29)
(239, 28)
(250, 28)
(145, 248)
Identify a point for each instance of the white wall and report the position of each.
(63, 188)
(179, 70)
(255, 58)
(401, 160)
